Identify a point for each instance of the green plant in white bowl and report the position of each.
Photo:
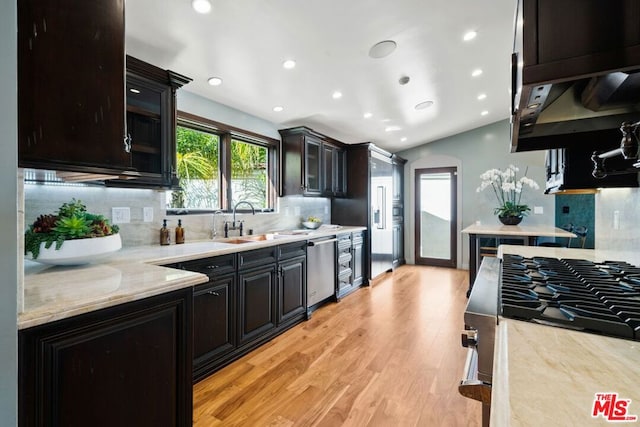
(72, 222)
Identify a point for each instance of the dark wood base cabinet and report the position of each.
(214, 328)
(250, 298)
(129, 365)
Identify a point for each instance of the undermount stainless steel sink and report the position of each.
(250, 238)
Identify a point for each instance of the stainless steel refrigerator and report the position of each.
(369, 203)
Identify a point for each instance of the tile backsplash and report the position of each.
(43, 199)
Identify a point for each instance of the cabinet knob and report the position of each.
(212, 267)
(214, 293)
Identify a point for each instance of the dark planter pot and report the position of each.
(510, 220)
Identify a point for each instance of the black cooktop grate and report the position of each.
(601, 298)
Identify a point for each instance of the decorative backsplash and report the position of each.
(622, 233)
(39, 199)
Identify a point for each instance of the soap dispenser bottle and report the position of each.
(179, 233)
(165, 239)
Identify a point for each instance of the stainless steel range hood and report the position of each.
(584, 113)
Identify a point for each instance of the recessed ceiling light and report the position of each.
(215, 81)
(289, 64)
(278, 108)
(134, 90)
(392, 128)
(482, 96)
(201, 6)
(367, 115)
(423, 105)
(382, 49)
(476, 72)
(337, 95)
(484, 113)
(403, 139)
(469, 35)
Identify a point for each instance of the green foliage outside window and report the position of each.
(197, 167)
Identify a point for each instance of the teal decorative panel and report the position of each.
(579, 210)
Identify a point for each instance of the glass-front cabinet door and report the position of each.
(312, 165)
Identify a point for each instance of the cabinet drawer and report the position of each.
(344, 275)
(344, 242)
(344, 258)
(214, 266)
(292, 250)
(256, 258)
(357, 237)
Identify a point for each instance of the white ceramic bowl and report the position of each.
(311, 225)
(79, 251)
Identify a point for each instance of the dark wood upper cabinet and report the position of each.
(151, 124)
(334, 163)
(71, 61)
(574, 72)
(311, 164)
(72, 93)
(566, 39)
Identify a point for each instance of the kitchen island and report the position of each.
(527, 234)
(545, 375)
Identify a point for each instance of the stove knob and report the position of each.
(469, 338)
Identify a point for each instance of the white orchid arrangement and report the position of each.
(508, 190)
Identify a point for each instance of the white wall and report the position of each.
(8, 216)
(474, 152)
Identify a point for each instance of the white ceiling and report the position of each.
(246, 41)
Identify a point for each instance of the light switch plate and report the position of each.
(120, 215)
(538, 210)
(147, 214)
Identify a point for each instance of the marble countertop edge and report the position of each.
(54, 293)
(52, 314)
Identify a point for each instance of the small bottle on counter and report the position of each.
(165, 238)
(179, 233)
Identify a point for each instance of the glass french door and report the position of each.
(435, 216)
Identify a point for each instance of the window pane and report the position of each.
(198, 170)
(249, 170)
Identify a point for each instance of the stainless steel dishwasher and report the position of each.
(321, 270)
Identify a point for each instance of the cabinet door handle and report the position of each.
(214, 293)
(212, 267)
(127, 143)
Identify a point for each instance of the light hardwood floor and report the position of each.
(386, 355)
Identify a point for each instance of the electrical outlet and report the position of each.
(120, 215)
(296, 210)
(147, 214)
(616, 220)
(538, 210)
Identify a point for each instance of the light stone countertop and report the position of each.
(58, 292)
(517, 230)
(548, 376)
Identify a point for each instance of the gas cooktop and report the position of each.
(593, 297)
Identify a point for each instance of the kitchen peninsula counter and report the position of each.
(545, 375)
(57, 292)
